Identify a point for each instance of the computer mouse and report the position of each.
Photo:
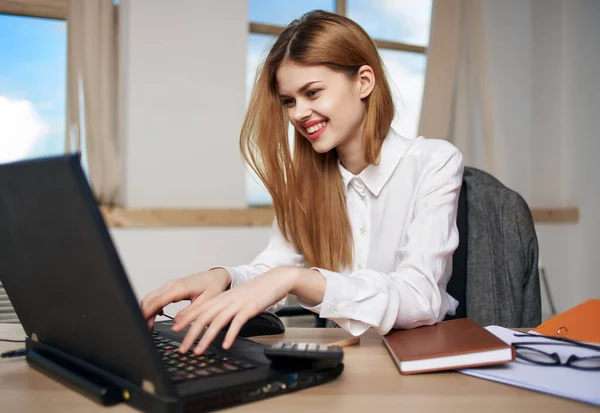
(263, 324)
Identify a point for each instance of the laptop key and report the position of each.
(188, 366)
(230, 367)
(215, 370)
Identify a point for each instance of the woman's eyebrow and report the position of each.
(303, 88)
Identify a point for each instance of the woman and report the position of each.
(365, 221)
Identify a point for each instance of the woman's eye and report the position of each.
(312, 93)
(287, 102)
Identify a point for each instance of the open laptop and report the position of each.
(84, 325)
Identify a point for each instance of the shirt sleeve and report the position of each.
(277, 253)
(415, 293)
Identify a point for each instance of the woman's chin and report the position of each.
(321, 146)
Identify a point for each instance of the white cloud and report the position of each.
(20, 127)
(413, 15)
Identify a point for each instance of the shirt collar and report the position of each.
(376, 176)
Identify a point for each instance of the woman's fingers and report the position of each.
(234, 329)
(194, 331)
(171, 292)
(214, 327)
(203, 315)
(187, 315)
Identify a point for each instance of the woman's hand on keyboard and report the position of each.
(198, 288)
(236, 305)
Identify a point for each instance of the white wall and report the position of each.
(184, 99)
(545, 60)
(577, 260)
(508, 30)
(567, 142)
(183, 70)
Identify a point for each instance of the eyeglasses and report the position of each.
(524, 351)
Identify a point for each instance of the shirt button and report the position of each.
(334, 312)
(362, 231)
(358, 266)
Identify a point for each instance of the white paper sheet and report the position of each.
(560, 381)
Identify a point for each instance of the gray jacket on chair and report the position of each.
(503, 286)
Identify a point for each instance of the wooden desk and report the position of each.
(370, 383)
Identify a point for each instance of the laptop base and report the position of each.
(107, 389)
(75, 377)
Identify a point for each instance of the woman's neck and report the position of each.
(352, 154)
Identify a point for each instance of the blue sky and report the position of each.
(399, 20)
(32, 85)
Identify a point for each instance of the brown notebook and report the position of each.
(447, 345)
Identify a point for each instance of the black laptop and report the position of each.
(84, 325)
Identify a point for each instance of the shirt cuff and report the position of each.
(338, 301)
(236, 277)
(328, 300)
(314, 308)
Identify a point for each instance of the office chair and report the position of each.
(296, 310)
(495, 274)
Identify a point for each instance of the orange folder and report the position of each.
(582, 323)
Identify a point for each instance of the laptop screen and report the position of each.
(62, 272)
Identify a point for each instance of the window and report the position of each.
(281, 13)
(400, 29)
(32, 87)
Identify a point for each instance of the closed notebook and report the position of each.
(581, 323)
(447, 345)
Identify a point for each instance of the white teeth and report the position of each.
(314, 128)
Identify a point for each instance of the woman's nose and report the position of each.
(302, 111)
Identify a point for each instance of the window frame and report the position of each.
(341, 9)
(46, 9)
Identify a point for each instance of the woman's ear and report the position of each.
(367, 81)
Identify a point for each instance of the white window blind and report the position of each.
(7, 313)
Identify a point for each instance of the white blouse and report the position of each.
(403, 218)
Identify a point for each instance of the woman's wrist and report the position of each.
(308, 285)
(224, 277)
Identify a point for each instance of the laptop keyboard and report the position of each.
(189, 366)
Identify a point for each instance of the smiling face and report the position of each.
(324, 105)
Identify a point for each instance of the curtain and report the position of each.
(457, 99)
(92, 85)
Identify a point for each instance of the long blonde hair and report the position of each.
(307, 191)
